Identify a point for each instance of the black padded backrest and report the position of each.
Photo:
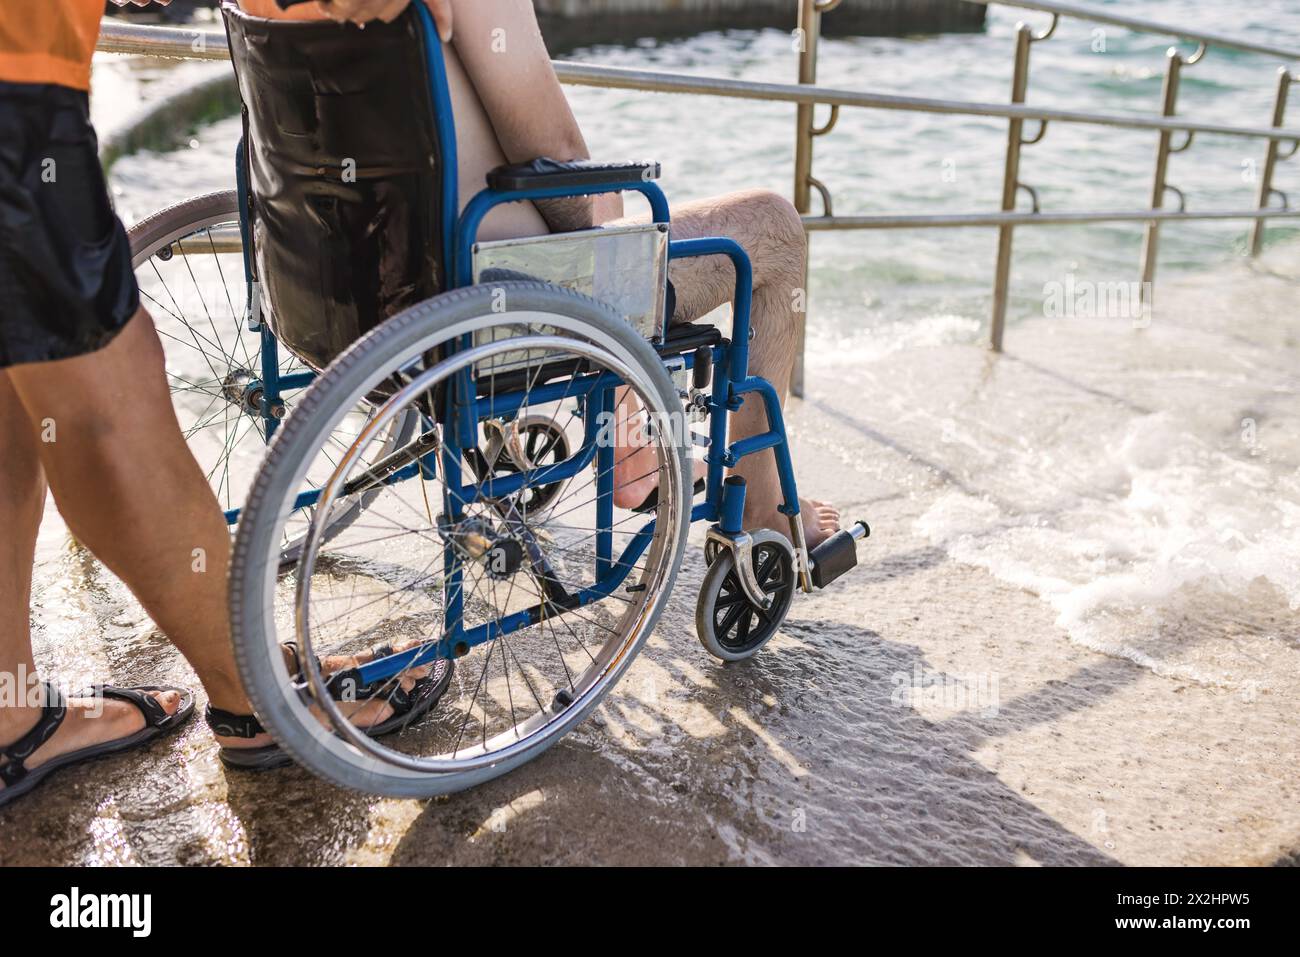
(342, 159)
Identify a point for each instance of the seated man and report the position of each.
(510, 108)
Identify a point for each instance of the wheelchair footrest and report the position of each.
(838, 554)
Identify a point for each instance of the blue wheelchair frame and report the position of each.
(732, 382)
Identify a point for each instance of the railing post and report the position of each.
(1010, 188)
(810, 26)
(1265, 195)
(809, 32)
(1159, 184)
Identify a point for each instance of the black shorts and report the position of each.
(66, 282)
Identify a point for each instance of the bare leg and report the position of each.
(770, 231)
(129, 488)
(22, 501)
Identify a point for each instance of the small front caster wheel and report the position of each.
(542, 442)
(731, 627)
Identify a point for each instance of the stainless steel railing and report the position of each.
(1096, 14)
(1006, 221)
(1281, 142)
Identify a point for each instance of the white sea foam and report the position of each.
(1187, 526)
(886, 339)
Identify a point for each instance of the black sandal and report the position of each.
(346, 685)
(244, 726)
(408, 707)
(19, 780)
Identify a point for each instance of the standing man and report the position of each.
(85, 411)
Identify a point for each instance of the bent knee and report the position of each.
(777, 212)
(778, 227)
(782, 211)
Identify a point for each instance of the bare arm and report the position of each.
(500, 47)
(505, 57)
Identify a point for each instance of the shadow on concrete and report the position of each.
(806, 757)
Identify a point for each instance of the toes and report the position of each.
(170, 700)
(828, 516)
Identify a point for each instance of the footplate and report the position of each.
(838, 554)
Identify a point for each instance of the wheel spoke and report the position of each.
(746, 620)
(532, 647)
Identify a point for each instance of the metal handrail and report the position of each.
(174, 43)
(626, 78)
(1099, 15)
(1055, 218)
(170, 43)
(210, 45)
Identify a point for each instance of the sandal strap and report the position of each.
(336, 684)
(345, 685)
(154, 713)
(51, 719)
(403, 701)
(231, 725)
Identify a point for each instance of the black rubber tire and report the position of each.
(406, 334)
(722, 576)
(167, 225)
(181, 219)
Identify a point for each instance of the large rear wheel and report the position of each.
(543, 608)
(189, 263)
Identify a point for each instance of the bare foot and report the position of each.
(363, 714)
(636, 475)
(376, 710)
(820, 521)
(89, 721)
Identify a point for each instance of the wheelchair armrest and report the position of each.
(543, 173)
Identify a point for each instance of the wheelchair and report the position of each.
(413, 433)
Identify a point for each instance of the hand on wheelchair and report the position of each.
(363, 11)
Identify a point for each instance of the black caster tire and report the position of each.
(731, 628)
(546, 441)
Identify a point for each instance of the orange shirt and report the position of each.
(48, 41)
